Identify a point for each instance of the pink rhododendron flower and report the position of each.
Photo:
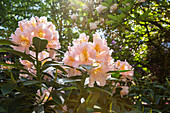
(96, 54)
(113, 8)
(100, 46)
(43, 31)
(124, 91)
(23, 39)
(69, 59)
(86, 54)
(82, 38)
(141, 0)
(100, 8)
(119, 65)
(93, 25)
(73, 72)
(74, 16)
(85, 7)
(28, 65)
(98, 74)
(126, 66)
(6, 67)
(35, 27)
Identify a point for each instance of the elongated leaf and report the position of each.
(145, 100)
(56, 96)
(88, 67)
(7, 88)
(112, 17)
(15, 104)
(2, 110)
(25, 56)
(67, 88)
(6, 42)
(15, 73)
(118, 71)
(15, 66)
(99, 89)
(53, 64)
(27, 83)
(67, 80)
(92, 99)
(39, 43)
(39, 109)
(161, 87)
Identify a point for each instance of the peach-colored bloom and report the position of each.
(100, 46)
(113, 8)
(126, 66)
(98, 74)
(28, 65)
(6, 67)
(35, 27)
(74, 16)
(93, 25)
(141, 0)
(82, 38)
(73, 72)
(124, 91)
(23, 39)
(86, 54)
(101, 8)
(43, 31)
(69, 59)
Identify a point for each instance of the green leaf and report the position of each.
(113, 78)
(112, 17)
(115, 74)
(109, 2)
(67, 80)
(109, 22)
(15, 104)
(39, 109)
(145, 100)
(67, 88)
(39, 44)
(57, 66)
(99, 89)
(6, 42)
(7, 88)
(118, 71)
(88, 67)
(105, 4)
(56, 97)
(161, 87)
(92, 99)
(2, 109)
(15, 73)
(27, 83)
(25, 56)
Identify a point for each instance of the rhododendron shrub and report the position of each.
(50, 82)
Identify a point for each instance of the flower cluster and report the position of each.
(120, 65)
(102, 9)
(95, 54)
(35, 27)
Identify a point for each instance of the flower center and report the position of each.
(24, 41)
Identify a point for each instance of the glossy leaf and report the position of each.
(7, 88)
(39, 44)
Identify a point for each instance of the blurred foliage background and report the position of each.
(136, 31)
